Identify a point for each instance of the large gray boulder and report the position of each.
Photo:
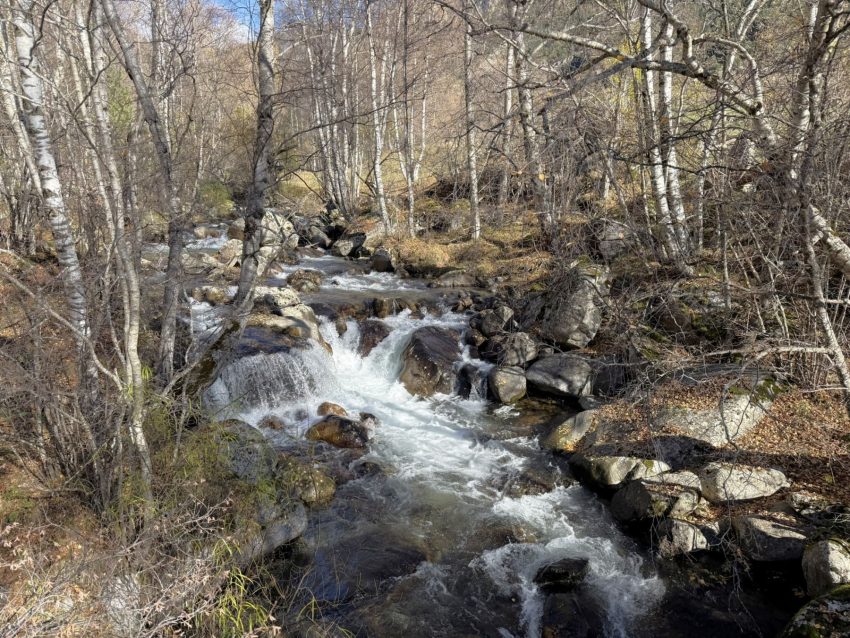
(677, 538)
(428, 361)
(610, 471)
(515, 349)
(729, 482)
(719, 425)
(573, 311)
(768, 540)
(245, 452)
(563, 375)
(506, 384)
(277, 230)
(826, 565)
(382, 261)
(564, 436)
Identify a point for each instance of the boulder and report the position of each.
(277, 230)
(295, 321)
(455, 279)
(562, 575)
(613, 238)
(515, 349)
(642, 500)
(230, 253)
(315, 236)
(372, 332)
(767, 540)
(349, 246)
(339, 431)
(280, 522)
(718, 425)
(826, 565)
(382, 261)
(610, 471)
(306, 482)
(563, 375)
(573, 310)
(677, 538)
(304, 280)
(272, 422)
(274, 298)
(236, 229)
(327, 408)
(564, 436)
(245, 452)
(213, 295)
(728, 482)
(428, 361)
(491, 322)
(825, 617)
(506, 384)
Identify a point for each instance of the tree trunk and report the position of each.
(262, 153)
(471, 145)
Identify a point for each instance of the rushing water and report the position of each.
(421, 547)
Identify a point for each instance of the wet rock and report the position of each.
(280, 522)
(824, 617)
(515, 349)
(564, 375)
(372, 332)
(230, 253)
(826, 565)
(273, 422)
(564, 436)
(572, 615)
(305, 482)
(506, 384)
(728, 482)
(573, 310)
(609, 471)
(428, 361)
(471, 382)
(328, 408)
(763, 539)
(678, 538)
(369, 421)
(295, 321)
(339, 431)
(473, 337)
(382, 261)
(563, 575)
(491, 322)
(304, 280)
(643, 500)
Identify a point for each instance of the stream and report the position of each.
(430, 540)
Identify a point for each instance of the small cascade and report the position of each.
(266, 380)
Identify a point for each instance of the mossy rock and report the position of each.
(305, 482)
(825, 617)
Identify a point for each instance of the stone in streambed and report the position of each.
(339, 431)
(562, 575)
(564, 436)
(507, 384)
(515, 349)
(609, 471)
(428, 361)
(372, 332)
(328, 408)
